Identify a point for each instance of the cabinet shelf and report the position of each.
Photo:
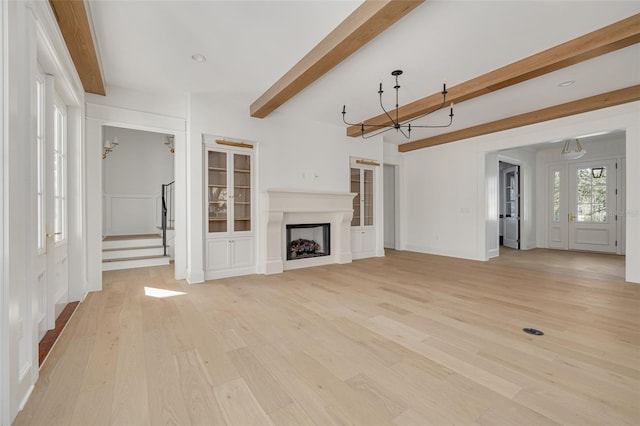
(362, 183)
(228, 175)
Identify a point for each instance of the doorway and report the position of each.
(138, 209)
(510, 206)
(389, 191)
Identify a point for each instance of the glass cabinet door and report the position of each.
(217, 187)
(368, 197)
(241, 192)
(355, 187)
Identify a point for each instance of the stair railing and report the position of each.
(167, 211)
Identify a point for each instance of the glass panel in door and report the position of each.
(556, 196)
(591, 194)
(355, 187)
(241, 192)
(217, 187)
(59, 175)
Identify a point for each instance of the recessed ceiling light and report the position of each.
(198, 58)
(566, 83)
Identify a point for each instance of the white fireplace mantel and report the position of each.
(284, 206)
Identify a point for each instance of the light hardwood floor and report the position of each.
(409, 339)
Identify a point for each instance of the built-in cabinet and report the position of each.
(230, 208)
(363, 182)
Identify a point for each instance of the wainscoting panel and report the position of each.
(129, 214)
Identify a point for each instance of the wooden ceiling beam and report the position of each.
(605, 100)
(364, 24)
(605, 40)
(74, 24)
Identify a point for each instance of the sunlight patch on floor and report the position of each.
(161, 293)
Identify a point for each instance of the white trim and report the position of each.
(5, 417)
(137, 120)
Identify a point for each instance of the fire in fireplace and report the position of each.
(308, 240)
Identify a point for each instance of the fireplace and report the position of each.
(308, 240)
(285, 207)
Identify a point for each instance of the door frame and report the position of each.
(516, 169)
(394, 168)
(514, 162)
(98, 116)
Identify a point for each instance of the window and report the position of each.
(59, 173)
(592, 194)
(40, 167)
(556, 196)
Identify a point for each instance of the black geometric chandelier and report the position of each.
(404, 127)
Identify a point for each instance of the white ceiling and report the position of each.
(147, 46)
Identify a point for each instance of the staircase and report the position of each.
(132, 251)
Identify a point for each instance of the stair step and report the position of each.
(156, 256)
(129, 237)
(137, 262)
(130, 241)
(131, 252)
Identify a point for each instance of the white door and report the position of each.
(50, 187)
(512, 207)
(592, 206)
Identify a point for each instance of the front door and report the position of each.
(592, 206)
(511, 189)
(50, 187)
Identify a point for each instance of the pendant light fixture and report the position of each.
(402, 127)
(573, 153)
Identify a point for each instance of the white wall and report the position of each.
(442, 200)
(446, 186)
(291, 154)
(5, 417)
(165, 104)
(17, 214)
(133, 175)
